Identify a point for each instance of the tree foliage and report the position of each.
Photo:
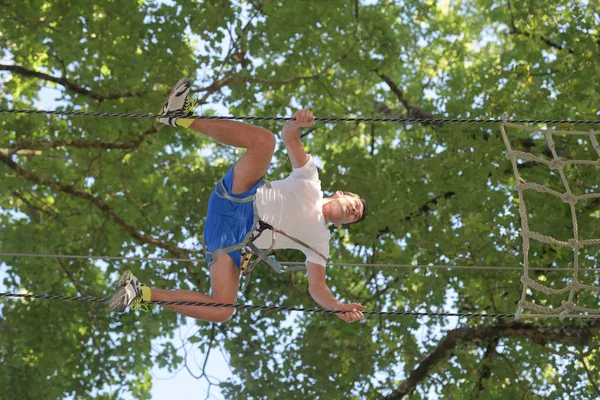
(438, 193)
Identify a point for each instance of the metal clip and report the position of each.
(246, 282)
(246, 255)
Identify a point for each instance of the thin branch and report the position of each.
(106, 210)
(379, 292)
(128, 193)
(245, 339)
(565, 334)
(518, 31)
(411, 111)
(212, 338)
(561, 353)
(424, 209)
(185, 364)
(372, 139)
(33, 209)
(70, 275)
(231, 80)
(485, 370)
(256, 4)
(589, 374)
(308, 132)
(68, 84)
(234, 43)
(517, 377)
(334, 98)
(83, 144)
(444, 386)
(591, 350)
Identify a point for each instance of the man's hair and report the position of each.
(364, 204)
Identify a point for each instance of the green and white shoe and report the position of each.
(178, 104)
(128, 293)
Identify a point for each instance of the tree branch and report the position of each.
(101, 205)
(80, 144)
(68, 84)
(108, 213)
(589, 374)
(486, 370)
(34, 209)
(517, 31)
(524, 389)
(424, 209)
(70, 276)
(578, 335)
(229, 80)
(411, 111)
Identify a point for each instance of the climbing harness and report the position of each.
(247, 247)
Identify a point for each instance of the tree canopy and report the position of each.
(437, 193)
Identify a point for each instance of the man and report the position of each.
(294, 205)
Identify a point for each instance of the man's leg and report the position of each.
(224, 280)
(249, 169)
(259, 142)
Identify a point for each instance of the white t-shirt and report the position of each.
(294, 205)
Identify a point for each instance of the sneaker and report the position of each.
(128, 292)
(178, 104)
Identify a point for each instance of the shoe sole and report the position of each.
(125, 276)
(186, 83)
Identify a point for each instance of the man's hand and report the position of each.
(353, 312)
(291, 130)
(321, 293)
(304, 118)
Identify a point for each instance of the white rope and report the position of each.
(572, 288)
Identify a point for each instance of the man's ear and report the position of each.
(338, 193)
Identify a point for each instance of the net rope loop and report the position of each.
(568, 308)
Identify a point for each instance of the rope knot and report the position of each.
(569, 198)
(526, 234)
(598, 163)
(511, 154)
(556, 163)
(569, 306)
(575, 244)
(576, 285)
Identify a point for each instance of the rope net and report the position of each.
(527, 306)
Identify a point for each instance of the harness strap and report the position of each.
(223, 194)
(300, 242)
(253, 234)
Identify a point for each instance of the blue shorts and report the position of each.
(228, 222)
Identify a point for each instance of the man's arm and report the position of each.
(291, 137)
(320, 292)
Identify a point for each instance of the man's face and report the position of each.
(344, 209)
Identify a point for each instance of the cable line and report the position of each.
(365, 265)
(263, 308)
(325, 119)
